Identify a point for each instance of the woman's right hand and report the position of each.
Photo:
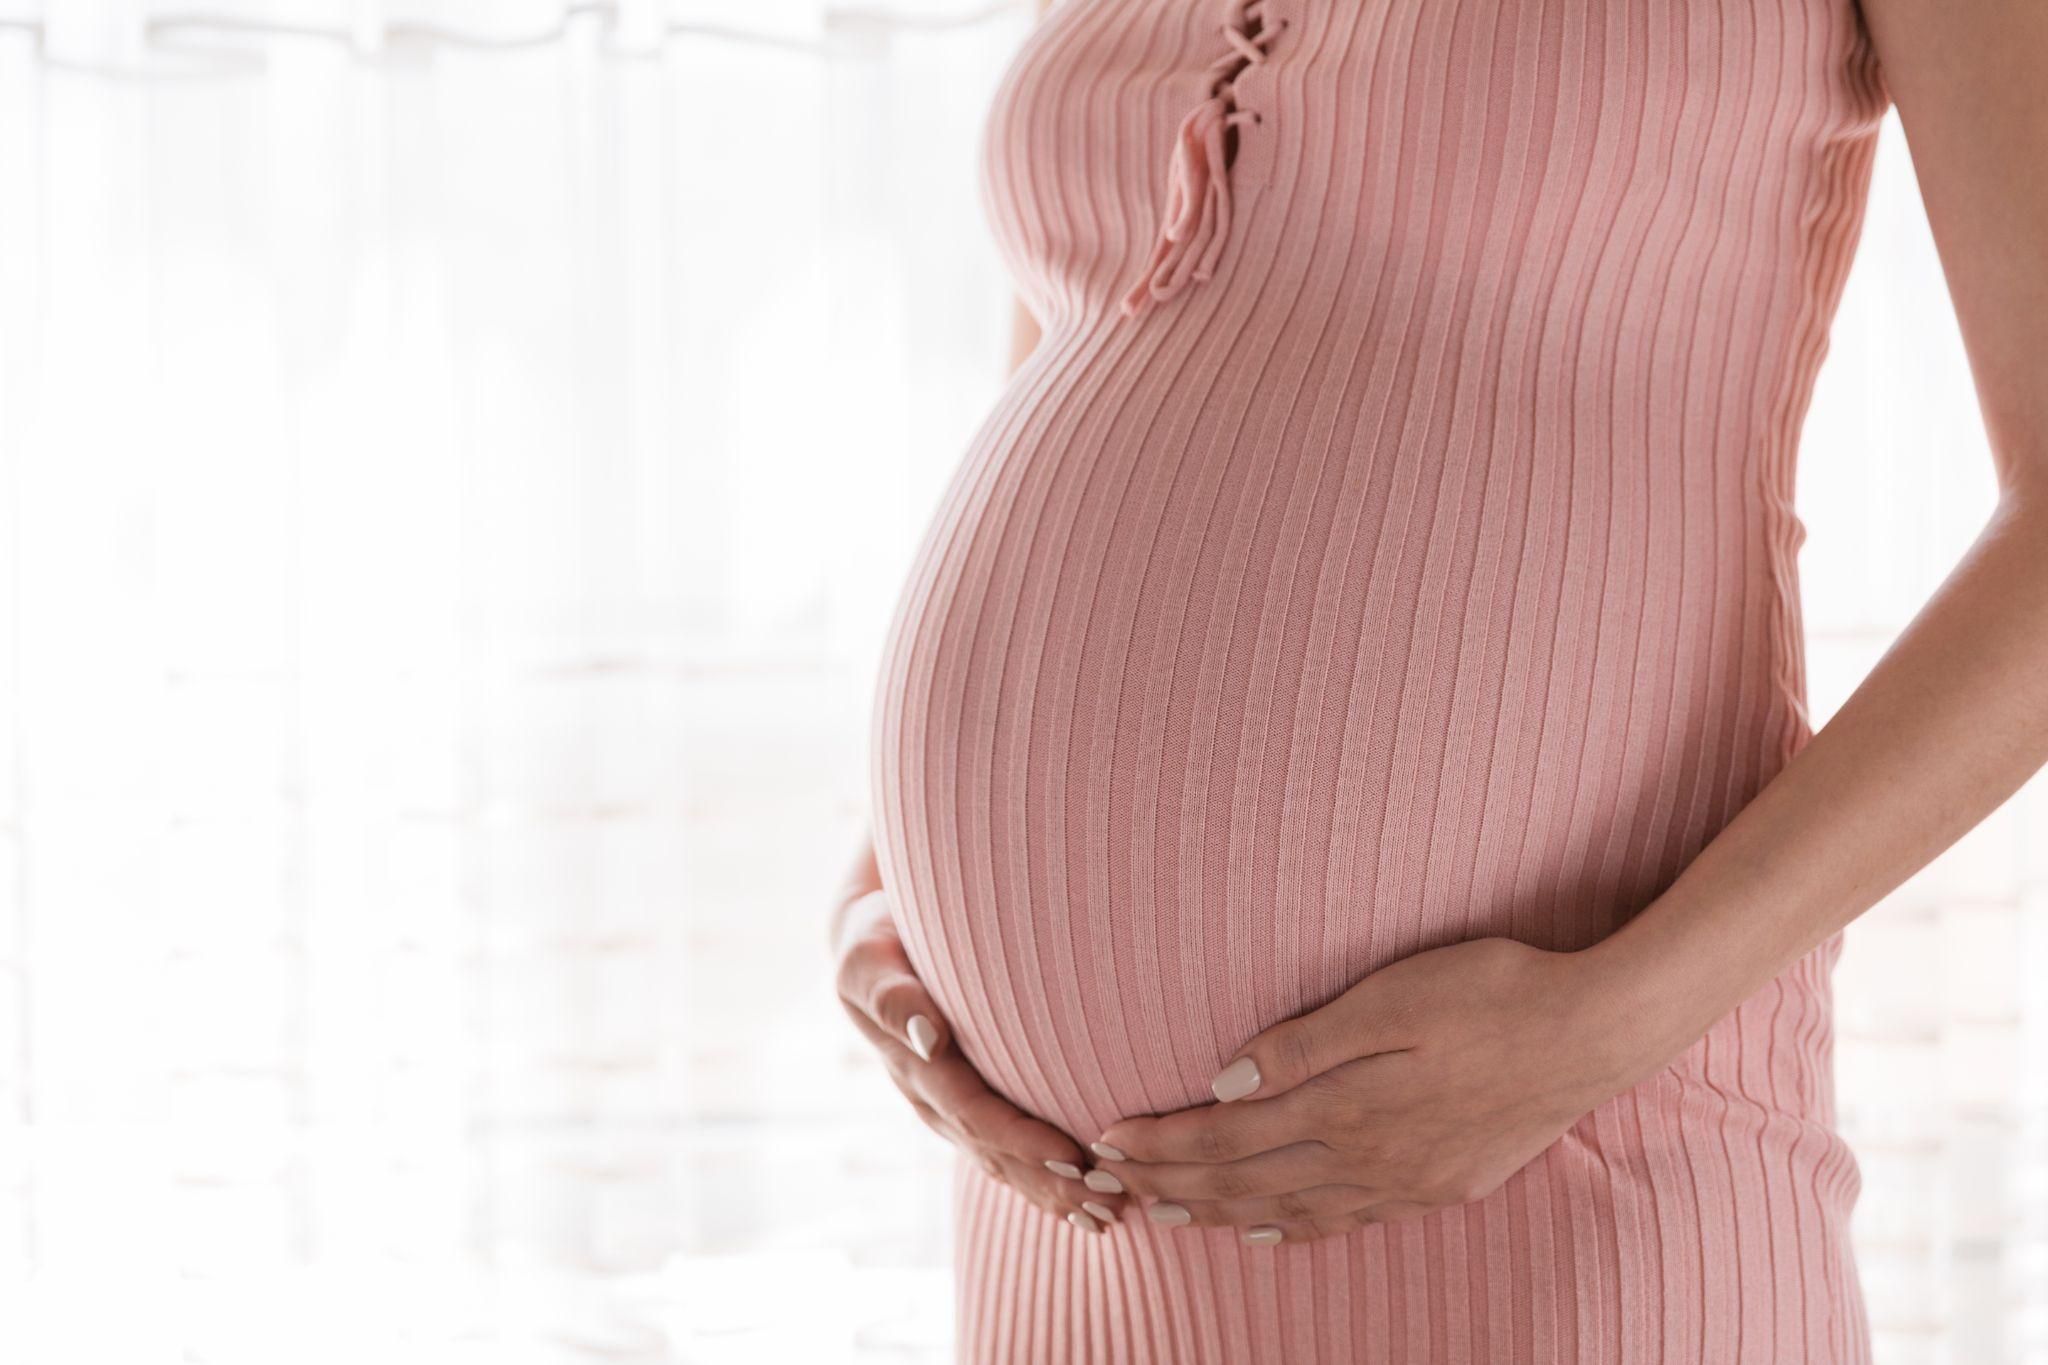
(889, 1004)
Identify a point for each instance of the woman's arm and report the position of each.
(1955, 717)
(1437, 1077)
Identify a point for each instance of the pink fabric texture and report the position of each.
(1390, 543)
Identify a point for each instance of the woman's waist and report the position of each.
(1096, 988)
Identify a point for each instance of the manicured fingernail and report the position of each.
(992, 1166)
(922, 1036)
(1084, 1222)
(1262, 1237)
(1103, 1181)
(1237, 1080)
(1169, 1215)
(1102, 1211)
(1106, 1152)
(1065, 1168)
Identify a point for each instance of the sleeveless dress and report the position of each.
(1390, 543)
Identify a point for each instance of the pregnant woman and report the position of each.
(1351, 866)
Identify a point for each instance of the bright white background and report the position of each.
(455, 464)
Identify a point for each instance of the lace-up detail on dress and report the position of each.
(1197, 218)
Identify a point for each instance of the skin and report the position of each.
(882, 995)
(1433, 1080)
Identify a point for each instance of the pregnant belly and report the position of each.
(1170, 749)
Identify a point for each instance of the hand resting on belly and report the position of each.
(891, 1007)
(1424, 1086)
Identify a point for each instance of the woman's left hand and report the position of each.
(1424, 1086)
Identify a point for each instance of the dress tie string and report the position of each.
(1197, 219)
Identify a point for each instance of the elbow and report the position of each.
(2022, 472)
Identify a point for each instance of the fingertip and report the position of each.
(1121, 1138)
(1236, 1081)
(924, 1036)
(898, 1003)
(1103, 1182)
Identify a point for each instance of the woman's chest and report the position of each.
(1509, 119)
(1107, 81)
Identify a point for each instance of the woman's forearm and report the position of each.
(1955, 717)
(1950, 723)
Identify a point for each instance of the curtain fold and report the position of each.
(139, 35)
(456, 463)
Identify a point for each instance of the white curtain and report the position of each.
(456, 460)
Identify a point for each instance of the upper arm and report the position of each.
(1970, 82)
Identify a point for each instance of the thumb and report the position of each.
(897, 1001)
(1292, 1051)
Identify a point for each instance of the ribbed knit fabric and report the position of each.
(1424, 572)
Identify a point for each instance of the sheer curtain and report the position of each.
(456, 460)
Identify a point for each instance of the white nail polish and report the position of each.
(1107, 1152)
(1103, 1181)
(1102, 1211)
(1262, 1237)
(1237, 1080)
(1169, 1215)
(922, 1036)
(1083, 1222)
(1064, 1168)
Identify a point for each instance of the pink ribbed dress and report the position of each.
(1390, 543)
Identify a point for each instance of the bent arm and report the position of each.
(1954, 718)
